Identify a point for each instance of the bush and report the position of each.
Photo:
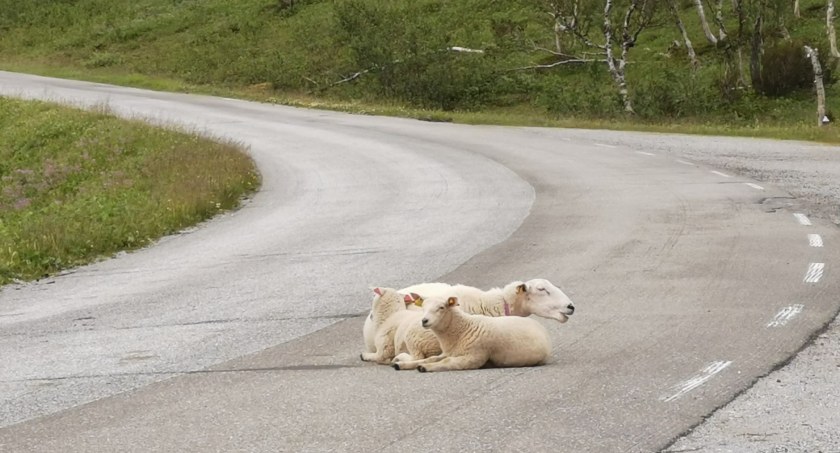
(784, 69)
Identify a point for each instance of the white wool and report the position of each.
(470, 341)
(387, 304)
(538, 296)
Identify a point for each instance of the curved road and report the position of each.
(243, 335)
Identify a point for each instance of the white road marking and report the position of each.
(721, 174)
(815, 272)
(684, 162)
(604, 145)
(815, 240)
(645, 153)
(802, 218)
(698, 380)
(785, 315)
(754, 186)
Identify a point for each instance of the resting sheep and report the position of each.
(471, 341)
(538, 297)
(386, 307)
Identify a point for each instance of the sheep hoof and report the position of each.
(396, 366)
(362, 357)
(421, 369)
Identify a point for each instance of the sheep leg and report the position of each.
(413, 364)
(463, 362)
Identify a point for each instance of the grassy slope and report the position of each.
(251, 49)
(75, 186)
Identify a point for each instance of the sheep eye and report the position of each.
(441, 308)
(544, 290)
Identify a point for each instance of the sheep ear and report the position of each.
(523, 288)
(453, 301)
(378, 291)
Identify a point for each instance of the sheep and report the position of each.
(470, 341)
(386, 304)
(537, 296)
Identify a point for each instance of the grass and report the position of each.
(76, 186)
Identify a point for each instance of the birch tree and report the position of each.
(829, 28)
(811, 54)
(705, 23)
(621, 26)
(692, 55)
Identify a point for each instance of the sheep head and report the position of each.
(437, 311)
(545, 300)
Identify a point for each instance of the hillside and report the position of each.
(417, 54)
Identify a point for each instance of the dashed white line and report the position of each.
(815, 240)
(643, 153)
(802, 219)
(785, 315)
(604, 145)
(814, 273)
(721, 174)
(754, 186)
(684, 162)
(698, 380)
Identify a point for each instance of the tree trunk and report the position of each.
(558, 30)
(829, 28)
(616, 67)
(706, 30)
(818, 84)
(756, 49)
(695, 63)
(796, 9)
(719, 21)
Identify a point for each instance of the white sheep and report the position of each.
(537, 296)
(387, 304)
(471, 341)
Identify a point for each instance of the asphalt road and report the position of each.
(691, 280)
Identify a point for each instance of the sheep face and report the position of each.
(546, 300)
(436, 311)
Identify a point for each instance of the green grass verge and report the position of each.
(76, 186)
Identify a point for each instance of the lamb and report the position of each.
(470, 341)
(386, 307)
(537, 296)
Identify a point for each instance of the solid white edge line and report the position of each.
(644, 153)
(721, 174)
(754, 186)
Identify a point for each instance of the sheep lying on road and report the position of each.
(471, 341)
(535, 297)
(386, 306)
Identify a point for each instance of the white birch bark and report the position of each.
(615, 66)
(695, 63)
(813, 55)
(829, 28)
(706, 30)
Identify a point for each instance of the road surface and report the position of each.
(691, 280)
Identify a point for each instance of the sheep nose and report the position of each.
(424, 321)
(571, 309)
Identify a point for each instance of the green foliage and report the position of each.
(399, 52)
(75, 185)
